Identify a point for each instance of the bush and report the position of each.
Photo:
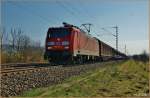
(141, 57)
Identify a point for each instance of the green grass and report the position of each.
(129, 78)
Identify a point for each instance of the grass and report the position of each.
(129, 78)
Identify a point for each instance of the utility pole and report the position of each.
(115, 35)
(87, 28)
(116, 27)
(125, 49)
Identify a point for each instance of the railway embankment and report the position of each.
(130, 78)
(14, 82)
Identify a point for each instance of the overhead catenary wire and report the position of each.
(76, 10)
(73, 10)
(33, 13)
(108, 32)
(72, 7)
(97, 25)
(61, 4)
(86, 14)
(84, 10)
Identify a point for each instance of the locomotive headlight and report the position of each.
(49, 48)
(50, 43)
(66, 47)
(65, 43)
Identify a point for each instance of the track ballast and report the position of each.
(15, 80)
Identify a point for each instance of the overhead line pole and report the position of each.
(116, 27)
(115, 35)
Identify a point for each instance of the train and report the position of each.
(70, 44)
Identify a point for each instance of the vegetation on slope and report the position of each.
(126, 79)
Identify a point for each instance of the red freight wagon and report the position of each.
(69, 43)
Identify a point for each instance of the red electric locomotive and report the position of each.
(69, 44)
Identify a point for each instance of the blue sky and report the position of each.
(35, 17)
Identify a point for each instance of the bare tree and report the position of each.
(25, 46)
(2, 35)
(19, 40)
(16, 39)
(25, 42)
(13, 38)
(22, 48)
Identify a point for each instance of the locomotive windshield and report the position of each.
(58, 33)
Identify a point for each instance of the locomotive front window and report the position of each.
(58, 33)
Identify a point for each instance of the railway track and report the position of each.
(15, 68)
(8, 69)
(24, 65)
(21, 67)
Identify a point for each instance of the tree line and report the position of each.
(144, 57)
(17, 47)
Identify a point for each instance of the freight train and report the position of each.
(70, 44)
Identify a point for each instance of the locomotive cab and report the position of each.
(58, 44)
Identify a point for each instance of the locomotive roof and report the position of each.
(68, 27)
(58, 27)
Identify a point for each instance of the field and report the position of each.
(129, 78)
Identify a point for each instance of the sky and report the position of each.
(34, 17)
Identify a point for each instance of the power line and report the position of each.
(32, 12)
(73, 8)
(77, 10)
(116, 35)
(88, 29)
(86, 12)
(68, 10)
(108, 32)
(87, 26)
(62, 4)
